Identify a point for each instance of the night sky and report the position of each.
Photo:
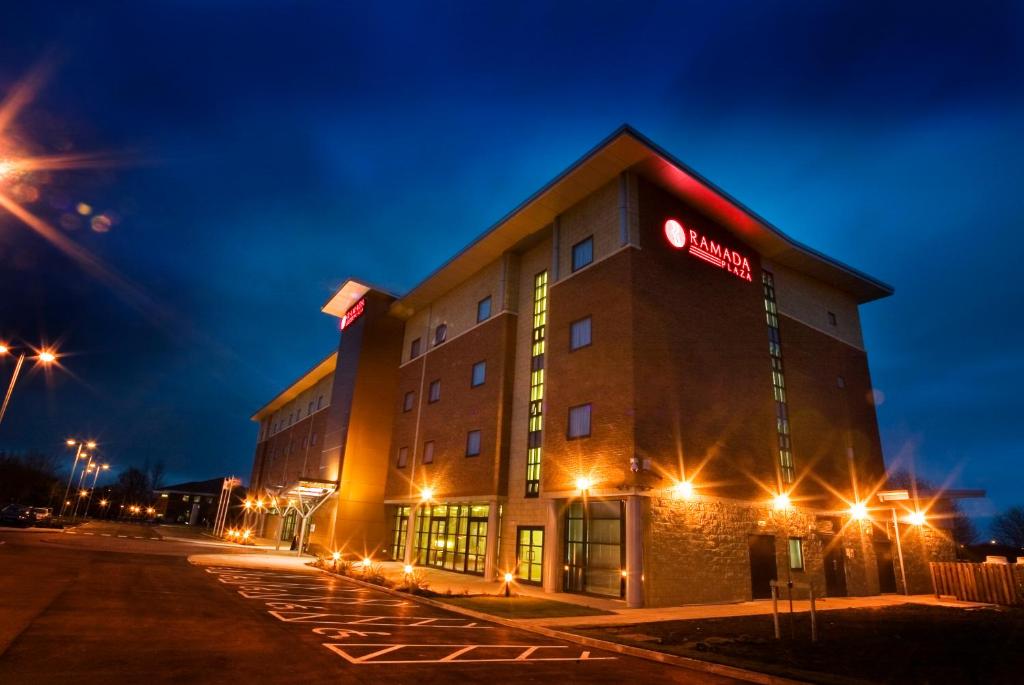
(266, 151)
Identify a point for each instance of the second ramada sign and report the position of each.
(702, 247)
(354, 312)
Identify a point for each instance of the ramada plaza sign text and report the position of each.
(701, 247)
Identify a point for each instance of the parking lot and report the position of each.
(125, 604)
(372, 628)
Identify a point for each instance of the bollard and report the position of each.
(814, 618)
(775, 611)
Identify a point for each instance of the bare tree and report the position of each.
(1008, 527)
(156, 475)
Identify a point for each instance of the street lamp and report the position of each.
(81, 492)
(44, 356)
(79, 445)
(95, 477)
(897, 496)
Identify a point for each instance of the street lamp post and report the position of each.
(44, 357)
(72, 442)
(95, 477)
(81, 492)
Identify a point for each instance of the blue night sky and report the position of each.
(274, 149)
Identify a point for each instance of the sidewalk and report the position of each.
(448, 582)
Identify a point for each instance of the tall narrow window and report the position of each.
(582, 253)
(435, 391)
(473, 443)
(536, 419)
(579, 334)
(440, 333)
(403, 457)
(483, 309)
(414, 349)
(796, 554)
(408, 400)
(428, 452)
(786, 467)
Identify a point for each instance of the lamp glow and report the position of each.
(335, 555)
(584, 484)
(509, 577)
(407, 569)
(47, 357)
(426, 494)
(858, 511)
(916, 518)
(781, 501)
(367, 562)
(683, 490)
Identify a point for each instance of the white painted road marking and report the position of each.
(453, 652)
(318, 590)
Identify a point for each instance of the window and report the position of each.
(408, 400)
(428, 452)
(310, 410)
(796, 554)
(435, 391)
(320, 402)
(483, 309)
(291, 418)
(312, 439)
(414, 349)
(184, 498)
(582, 253)
(787, 468)
(403, 457)
(536, 421)
(473, 443)
(579, 334)
(840, 382)
(832, 318)
(579, 421)
(440, 333)
(479, 374)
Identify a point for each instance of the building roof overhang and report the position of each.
(304, 382)
(626, 149)
(347, 294)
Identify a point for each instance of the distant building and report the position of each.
(193, 503)
(631, 386)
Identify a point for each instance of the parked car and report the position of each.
(16, 515)
(42, 514)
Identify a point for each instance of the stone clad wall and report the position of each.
(697, 551)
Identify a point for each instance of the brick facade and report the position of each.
(678, 376)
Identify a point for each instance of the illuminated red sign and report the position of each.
(701, 247)
(354, 312)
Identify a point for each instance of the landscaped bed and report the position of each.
(905, 644)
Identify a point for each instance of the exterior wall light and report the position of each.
(858, 511)
(916, 518)
(682, 490)
(426, 494)
(781, 502)
(584, 484)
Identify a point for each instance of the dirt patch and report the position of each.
(904, 644)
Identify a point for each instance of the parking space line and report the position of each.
(315, 602)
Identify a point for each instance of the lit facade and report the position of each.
(606, 393)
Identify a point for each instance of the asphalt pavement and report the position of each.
(121, 603)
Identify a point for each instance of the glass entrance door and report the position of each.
(594, 551)
(530, 554)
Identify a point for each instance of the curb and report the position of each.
(650, 655)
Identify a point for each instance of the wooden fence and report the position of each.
(990, 583)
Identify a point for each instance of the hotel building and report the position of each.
(630, 386)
